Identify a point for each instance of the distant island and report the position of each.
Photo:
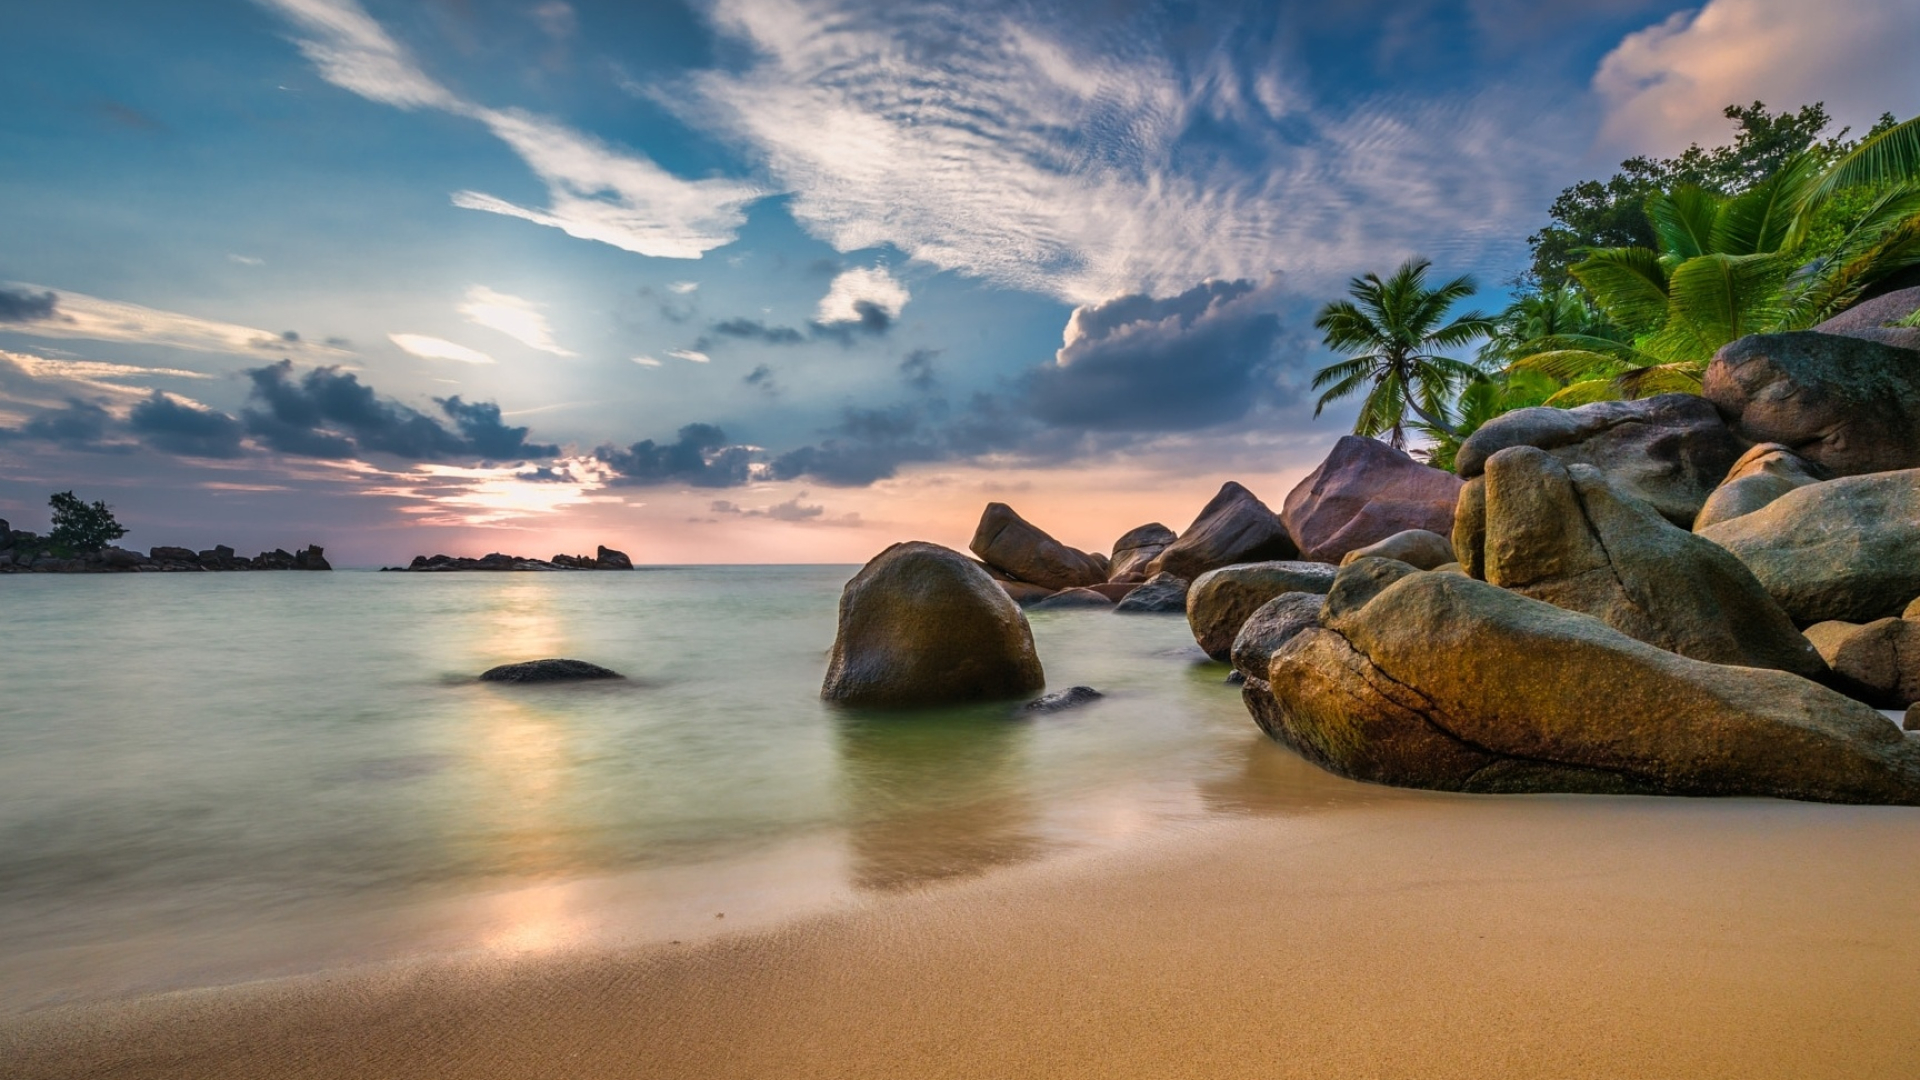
(605, 558)
(24, 552)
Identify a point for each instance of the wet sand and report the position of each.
(1452, 937)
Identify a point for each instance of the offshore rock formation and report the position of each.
(924, 625)
(1234, 527)
(30, 553)
(1024, 552)
(1136, 549)
(606, 559)
(546, 671)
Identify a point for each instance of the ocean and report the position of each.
(208, 779)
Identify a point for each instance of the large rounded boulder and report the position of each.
(1418, 548)
(1364, 492)
(1272, 625)
(1846, 549)
(1136, 550)
(1221, 601)
(924, 625)
(1235, 527)
(1763, 474)
(1440, 681)
(1848, 404)
(1563, 534)
(1669, 451)
(1023, 551)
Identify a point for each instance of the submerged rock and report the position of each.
(1364, 492)
(1563, 534)
(551, 670)
(1440, 681)
(921, 624)
(1669, 451)
(1234, 527)
(1845, 549)
(1222, 600)
(1071, 697)
(1163, 593)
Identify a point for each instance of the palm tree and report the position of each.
(1392, 335)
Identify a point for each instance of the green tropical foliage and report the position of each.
(1393, 332)
(79, 527)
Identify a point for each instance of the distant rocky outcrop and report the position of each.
(1136, 549)
(30, 553)
(1364, 492)
(1024, 552)
(1439, 681)
(921, 624)
(1669, 451)
(605, 559)
(1234, 527)
(550, 670)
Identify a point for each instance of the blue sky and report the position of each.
(770, 280)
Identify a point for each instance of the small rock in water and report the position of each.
(548, 671)
(1912, 720)
(1063, 699)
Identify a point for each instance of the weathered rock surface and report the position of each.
(1235, 527)
(1879, 663)
(1439, 681)
(1272, 625)
(1015, 546)
(1563, 534)
(1221, 601)
(1070, 698)
(1364, 492)
(1869, 318)
(1846, 549)
(1418, 548)
(1072, 598)
(921, 624)
(1669, 451)
(1762, 475)
(1116, 591)
(551, 670)
(1133, 552)
(1848, 404)
(1162, 593)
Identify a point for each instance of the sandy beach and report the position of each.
(1452, 937)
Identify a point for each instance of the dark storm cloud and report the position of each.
(329, 413)
(165, 424)
(78, 425)
(700, 456)
(25, 305)
(755, 330)
(873, 321)
(917, 370)
(1140, 364)
(867, 445)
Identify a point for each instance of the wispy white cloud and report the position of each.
(93, 375)
(519, 319)
(433, 348)
(246, 260)
(683, 288)
(851, 287)
(687, 354)
(595, 191)
(987, 141)
(1665, 86)
(90, 318)
(646, 361)
(435, 494)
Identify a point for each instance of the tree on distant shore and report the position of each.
(1393, 332)
(79, 527)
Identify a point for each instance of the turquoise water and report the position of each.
(212, 777)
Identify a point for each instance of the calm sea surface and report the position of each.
(207, 778)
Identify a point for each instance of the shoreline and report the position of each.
(1459, 936)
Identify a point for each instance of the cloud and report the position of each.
(792, 511)
(90, 318)
(761, 377)
(1007, 142)
(24, 305)
(700, 457)
(92, 375)
(690, 355)
(433, 348)
(1665, 86)
(246, 260)
(755, 330)
(78, 425)
(519, 319)
(683, 288)
(188, 430)
(595, 191)
(1136, 363)
(646, 361)
(918, 372)
(863, 296)
(327, 413)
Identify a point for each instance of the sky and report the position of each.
(777, 280)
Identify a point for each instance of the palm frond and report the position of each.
(1892, 155)
(1683, 219)
(1628, 283)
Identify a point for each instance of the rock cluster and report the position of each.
(25, 552)
(605, 559)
